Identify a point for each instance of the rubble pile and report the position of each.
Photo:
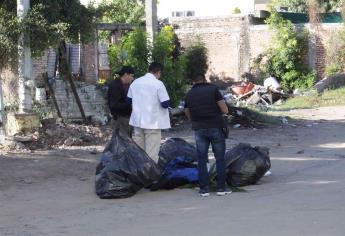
(243, 117)
(58, 135)
(247, 93)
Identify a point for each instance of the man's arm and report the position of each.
(187, 113)
(223, 107)
(165, 104)
(163, 96)
(114, 97)
(221, 103)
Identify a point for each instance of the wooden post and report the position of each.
(65, 70)
(52, 93)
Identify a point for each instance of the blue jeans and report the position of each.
(203, 138)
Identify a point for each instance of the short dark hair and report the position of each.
(125, 70)
(155, 67)
(199, 78)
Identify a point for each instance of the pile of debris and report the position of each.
(57, 135)
(247, 93)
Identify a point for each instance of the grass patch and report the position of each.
(327, 98)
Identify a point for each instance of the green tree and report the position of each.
(135, 48)
(166, 48)
(10, 29)
(236, 10)
(122, 11)
(196, 60)
(47, 23)
(132, 51)
(166, 51)
(294, 5)
(285, 57)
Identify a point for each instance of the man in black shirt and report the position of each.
(117, 94)
(204, 106)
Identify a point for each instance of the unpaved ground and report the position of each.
(51, 192)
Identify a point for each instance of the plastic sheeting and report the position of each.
(245, 165)
(176, 147)
(124, 169)
(178, 172)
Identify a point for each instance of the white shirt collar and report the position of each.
(150, 75)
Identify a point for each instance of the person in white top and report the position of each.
(150, 102)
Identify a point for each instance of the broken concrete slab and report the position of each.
(330, 82)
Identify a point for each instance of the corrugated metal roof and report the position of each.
(300, 18)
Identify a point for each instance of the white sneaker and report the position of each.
(208, 165)
(223, 192)
(204, 194)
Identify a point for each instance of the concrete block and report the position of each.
(330, 82)
(21, 122)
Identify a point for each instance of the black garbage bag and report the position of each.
(173, 148)
(178, 172)
(124, 169)
(245, 165)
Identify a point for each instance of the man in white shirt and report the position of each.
(150, 102)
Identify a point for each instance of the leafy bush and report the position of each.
(285, 58)
(135, 51)
(236, 10)
(296, 79)
(196, 60)
(10, 29)
(136, 46)
(164, 51)
(132, 51)
(335, 49)
(117, 57)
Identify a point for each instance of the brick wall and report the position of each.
(89, 62)
(83, 56)
(232, 42)
(321, 37)
(259, 39)
(222, 38)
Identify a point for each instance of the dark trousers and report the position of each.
(122, 123)
(203, 138)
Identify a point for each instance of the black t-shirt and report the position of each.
(117, 95)
(201, 101)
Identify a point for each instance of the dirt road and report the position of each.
(51, 192)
